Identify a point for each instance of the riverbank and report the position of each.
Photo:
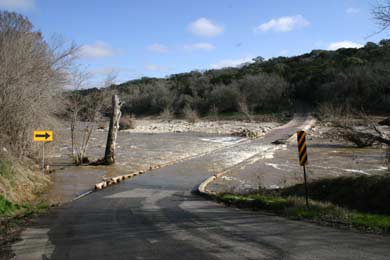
(222, 127)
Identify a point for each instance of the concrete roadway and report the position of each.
(155, 216)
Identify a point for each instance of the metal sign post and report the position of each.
(43, 136)
(43, 158)
(301, 138)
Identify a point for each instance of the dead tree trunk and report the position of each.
(363, 139)
(109, 156)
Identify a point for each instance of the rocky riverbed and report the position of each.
(236, 128)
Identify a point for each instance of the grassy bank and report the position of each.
(20, 195)
(14, 216)
(369, 194)
(20, 180)
(332, 202)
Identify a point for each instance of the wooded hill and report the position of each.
(345, 79)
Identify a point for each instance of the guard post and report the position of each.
(301, 137)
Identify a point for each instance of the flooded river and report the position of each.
(135, 151)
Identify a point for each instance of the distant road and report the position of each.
(155, 216)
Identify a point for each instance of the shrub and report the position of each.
(190, 115)
(225, 98)
(127, 122)
(167, 113)
(6, 206)
(328, 111)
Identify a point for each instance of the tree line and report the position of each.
(35, 71)
(349, 77)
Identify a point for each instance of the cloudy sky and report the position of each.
(157, 38)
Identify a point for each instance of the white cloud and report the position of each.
(97, 50)
(205, 27)
(157, 47)
(283, 24)
(199, 46)
(352, 10)
(17, 4)
(343, 44)
(231, 63)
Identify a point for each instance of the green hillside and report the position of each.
(355, 78)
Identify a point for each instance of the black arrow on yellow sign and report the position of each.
(43, 136)
(46, 135)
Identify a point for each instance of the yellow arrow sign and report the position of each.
(43, 136)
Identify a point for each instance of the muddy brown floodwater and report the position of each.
(327, 159)
(135, 151)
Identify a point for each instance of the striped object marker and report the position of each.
(301, 136)
(302, 151)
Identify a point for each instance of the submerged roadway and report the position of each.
(157, 216)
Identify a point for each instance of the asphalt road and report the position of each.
(155, 216)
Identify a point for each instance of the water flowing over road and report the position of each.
(156, 216)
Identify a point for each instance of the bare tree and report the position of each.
(84, 114)
(381, 13)
(33, 73)
(243, 108)
(214, 112)
(109, 157)
(362, 138)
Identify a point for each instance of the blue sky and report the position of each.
(157, 38)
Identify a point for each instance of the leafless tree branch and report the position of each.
(381, 13)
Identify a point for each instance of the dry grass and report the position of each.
(19, 183)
